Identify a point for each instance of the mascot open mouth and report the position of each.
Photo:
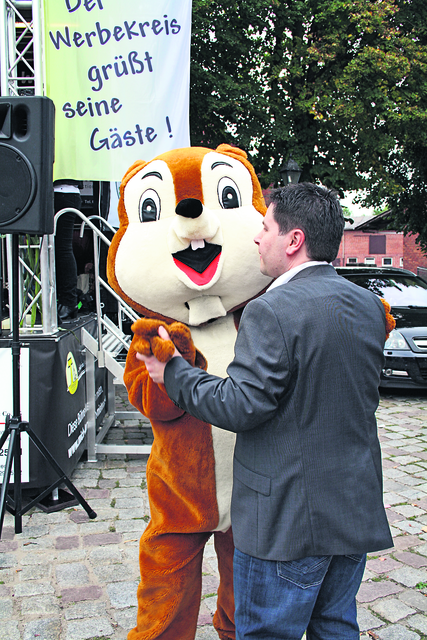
(200, 264)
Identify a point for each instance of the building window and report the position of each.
(377, 244)
(387, 262)
(370, 260)
(351, 260)
(401, 262)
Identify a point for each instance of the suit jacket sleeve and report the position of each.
(257, 377)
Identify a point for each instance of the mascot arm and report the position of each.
(148, 397)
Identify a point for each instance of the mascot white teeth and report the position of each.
(184, 257)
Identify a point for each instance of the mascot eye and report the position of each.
(149, 206)
(229, 194)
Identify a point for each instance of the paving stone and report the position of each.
(407, 542)
(64, 530)
(391, 499)
(211, 604)
(123, 594)
(367, 620)
(418, 622)
(33, 532)
(72, 574)
(8, 545)
(135, 514)
(106, 484)
(126, 526)
(383, 564)
(89, 628)
(94, 526)
(115, 573)
(404, 460)
(410, 527)
(392, 609)
(412, 559)
(130, 503)
(99, 539)
(39, 545)
(6, 608)
(8, 560)
(422, 549)
(97, 494)
(370, 591)
(126, 618)
(127, 492)
(9, 630)
(66, 542)
(71, 555)
(49, 629)
(392, 472)
(84, 610)
(103, 555)
(206, 633)
(392, 516)
(408, 576)
(37, 572)
(397, 632)
(79, 516)
(114, 474)
(408, 510)
(78, 594)
(414, 599)
(27, 589)
(40, 606)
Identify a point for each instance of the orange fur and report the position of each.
(390, 322)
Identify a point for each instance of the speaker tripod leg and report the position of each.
(47, 455)
(12, 435)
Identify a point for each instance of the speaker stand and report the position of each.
(15, 426)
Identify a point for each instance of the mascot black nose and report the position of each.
(189, 208)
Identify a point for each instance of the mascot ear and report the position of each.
(134, 168)
(242, 156)
(227, 148)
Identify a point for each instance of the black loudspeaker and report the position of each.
(26, 164)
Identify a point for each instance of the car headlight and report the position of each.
(396, 341)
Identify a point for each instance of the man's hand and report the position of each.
(154, 367)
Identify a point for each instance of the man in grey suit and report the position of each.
(301, 394)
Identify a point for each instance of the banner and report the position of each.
(118, 73)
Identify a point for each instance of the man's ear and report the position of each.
(296, 241)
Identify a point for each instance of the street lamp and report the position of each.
(290, 173)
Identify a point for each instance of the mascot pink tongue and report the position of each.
(184, 257)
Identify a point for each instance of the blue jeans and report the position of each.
(281, 600)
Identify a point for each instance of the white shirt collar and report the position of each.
(288, 275)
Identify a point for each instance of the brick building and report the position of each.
(368, 241)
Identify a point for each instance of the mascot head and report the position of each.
(184, 250)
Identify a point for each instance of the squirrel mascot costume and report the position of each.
(184, 257)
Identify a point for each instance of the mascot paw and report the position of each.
(147, 341)
(390, 322)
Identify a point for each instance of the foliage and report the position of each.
(340, 84)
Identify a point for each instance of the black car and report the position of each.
(406, 349)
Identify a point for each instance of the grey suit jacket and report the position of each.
(301, 394)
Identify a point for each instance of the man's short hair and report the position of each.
(316, 211)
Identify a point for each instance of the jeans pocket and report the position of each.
(357, 557)
(305, 572)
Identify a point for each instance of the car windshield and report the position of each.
(398, 290)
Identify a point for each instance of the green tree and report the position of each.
(341, 85)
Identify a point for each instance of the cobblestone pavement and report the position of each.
(66, 577)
